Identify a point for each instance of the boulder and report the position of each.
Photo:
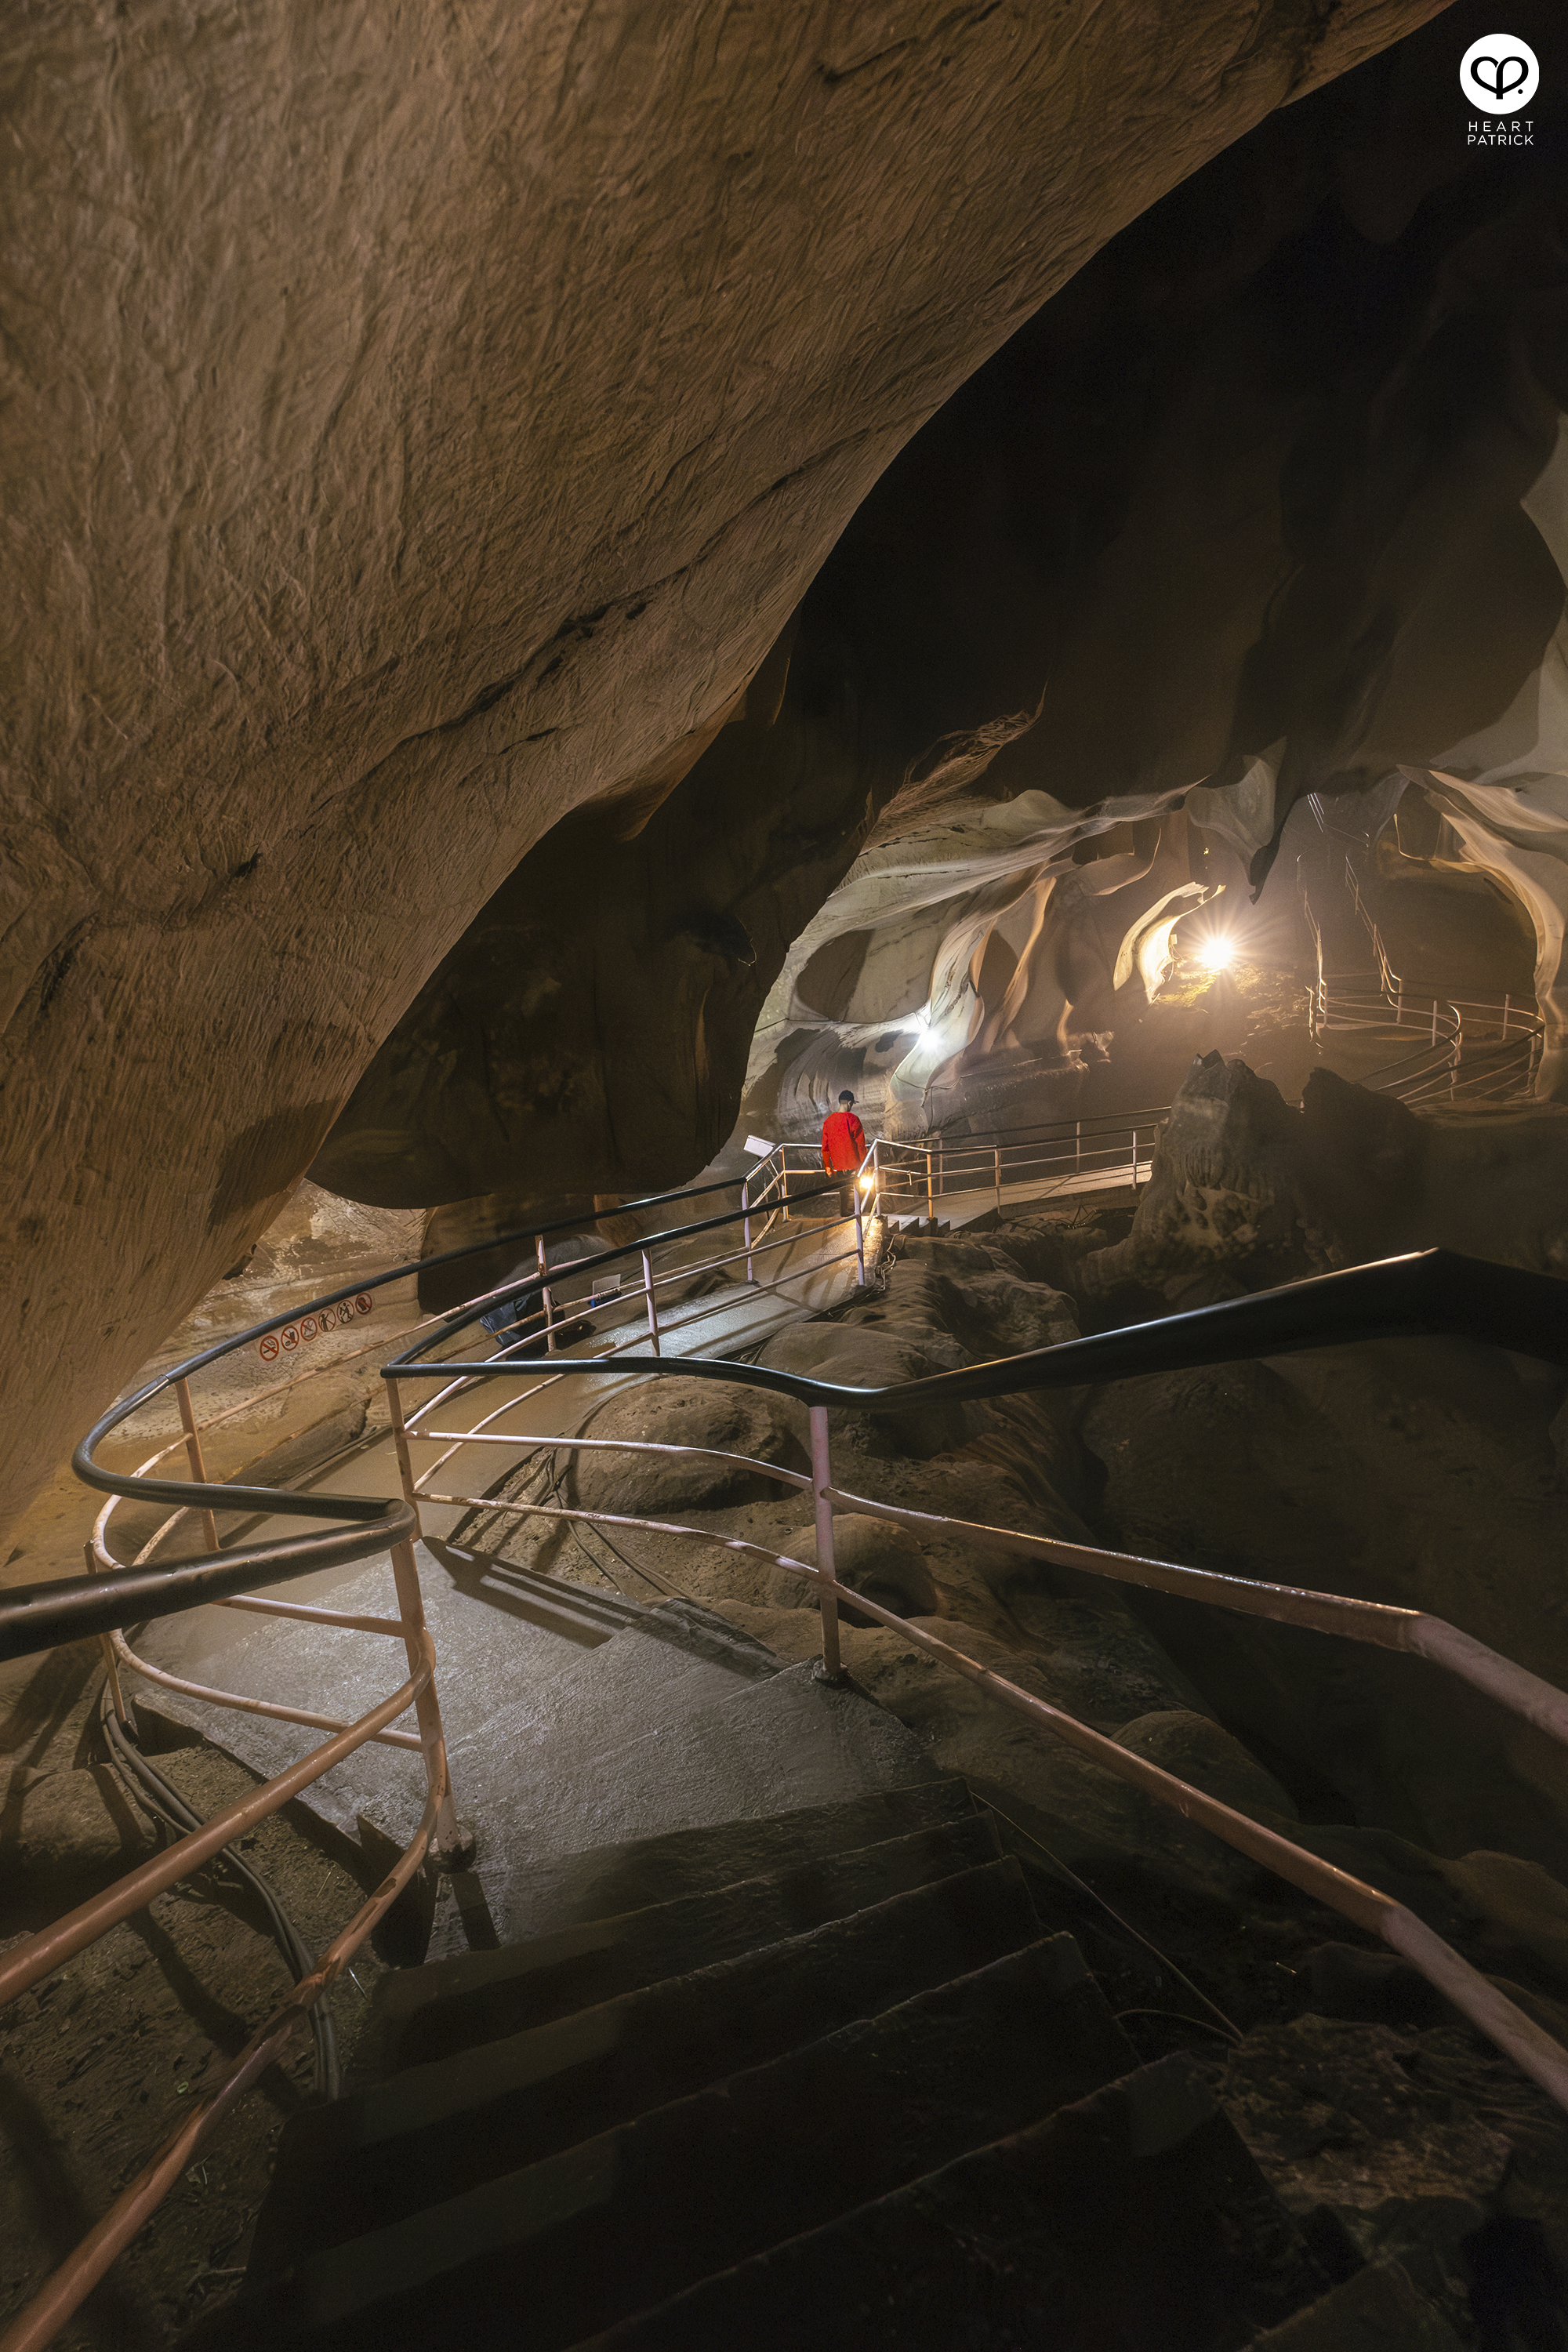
(730, 1420)
(851, 1355)
(1196, 1750)
(872, 1556)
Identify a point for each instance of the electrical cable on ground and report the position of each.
(1073, 1879)
(168, 1810)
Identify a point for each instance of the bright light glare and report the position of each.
(919, 1027)
(1216, 953)
(866, 1182)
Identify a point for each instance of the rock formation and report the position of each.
(1248, 1190)
(1267, 501)
(415, 432)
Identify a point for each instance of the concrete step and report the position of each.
(1132, 2221)
(1378, 2310)
(706, 1629)
(724, 1891)
(536, 1679)
(359, 2163)
(585, 2238)
(731, 1751)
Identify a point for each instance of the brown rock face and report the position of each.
(418, 423)
(1246, 1192)
(1243, 498)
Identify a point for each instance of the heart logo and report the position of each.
(1499, 73)
(1507, 73)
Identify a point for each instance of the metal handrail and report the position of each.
(1538, 1701)
(1352, 1001)
(36, 1617)
(1432, 1291)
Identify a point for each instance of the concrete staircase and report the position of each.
(825, 2079)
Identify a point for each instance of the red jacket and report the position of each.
(843, 1143)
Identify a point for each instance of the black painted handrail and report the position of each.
(1426, 1294)
(36, 1617)
(1430, 1294)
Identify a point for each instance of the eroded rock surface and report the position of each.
(1247, 1191)
(416, 433)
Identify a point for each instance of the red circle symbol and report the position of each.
(289, 1336)
(267, 1349)
(327, 1318)
(361, 1304)
(307, 1327)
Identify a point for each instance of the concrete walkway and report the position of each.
(574, 1717)
(960, 1209)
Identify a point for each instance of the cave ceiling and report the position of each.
(420, 425)
(1270, 500)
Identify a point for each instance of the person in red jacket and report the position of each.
(844, 1147)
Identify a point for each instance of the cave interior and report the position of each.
(587, 592)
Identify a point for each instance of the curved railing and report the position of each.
(1419, 1296)
(1453, 1048)
(115, 1595)
(559, 1309)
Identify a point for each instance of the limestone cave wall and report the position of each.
(421, 424)
(1266, 501)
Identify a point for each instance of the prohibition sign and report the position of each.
(267, 1349)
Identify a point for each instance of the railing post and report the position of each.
(1505, 1009)
(930, 1200)
(1135, 1159)
(448, 1843)
(783, 1179)
(545, 1298)
(830, 1667)
(652, 1310)
(998, 1156)
(110, 1662)
(859, 1233)
(1077, 1147)
(746, 1216)
(876, 1176)
(405, 1459)
(194, 1449)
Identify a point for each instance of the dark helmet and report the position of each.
(845, 1097)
